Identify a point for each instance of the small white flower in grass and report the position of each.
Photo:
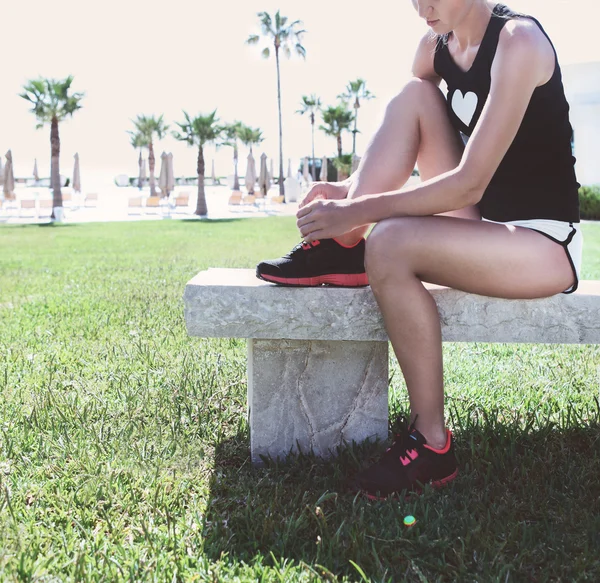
(5, 468)
(30, 357)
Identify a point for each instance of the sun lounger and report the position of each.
(152, 204)
(91, 200)
(45, 205)
(183, 200)
(134, 204)
(27, 207)
(277, 199)
(235, 198)
(249, 199)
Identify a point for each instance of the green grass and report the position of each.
(124, 444)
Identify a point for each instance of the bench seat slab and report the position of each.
(315, 395)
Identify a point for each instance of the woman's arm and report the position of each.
(522, 63)
(423, 62)
(524, 60)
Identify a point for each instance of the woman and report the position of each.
(497, 213)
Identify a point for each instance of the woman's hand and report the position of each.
(326, 190)
(324, 219)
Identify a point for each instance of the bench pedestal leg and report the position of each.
(315, 395)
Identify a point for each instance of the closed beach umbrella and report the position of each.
(163, 176)
(289, 174)
(323, 174)
(305, 174)
(355, 162)
(263, 178)
(36, 174)
(271, 173)
(76, 175)
(9, 178)
(170, 174)
(1, 172)
(250, 174)
(213, 175)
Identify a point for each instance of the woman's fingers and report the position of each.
(313, 193)
(302, 212)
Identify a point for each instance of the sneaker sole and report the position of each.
(335, 279)
(437, 484)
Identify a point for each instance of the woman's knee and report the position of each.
(385, 248)
(417, 92)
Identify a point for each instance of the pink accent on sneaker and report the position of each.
(347, 246)
(446, 447)
(444, 481)
(339, 279)
(412, 454)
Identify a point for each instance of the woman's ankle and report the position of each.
(352, 238)
(436, 437)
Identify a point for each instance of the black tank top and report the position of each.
(536, 178)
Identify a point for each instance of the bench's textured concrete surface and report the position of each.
(233, 303)
(318, 357)
(315, 395)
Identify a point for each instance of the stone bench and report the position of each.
(318, 357)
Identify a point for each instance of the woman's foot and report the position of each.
(408, 465)
(321, 262)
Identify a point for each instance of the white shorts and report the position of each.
(567, 234)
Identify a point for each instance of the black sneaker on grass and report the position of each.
(408, 465)
(317, 263)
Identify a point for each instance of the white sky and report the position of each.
(132, 57)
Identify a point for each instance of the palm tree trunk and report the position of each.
(140, 172)
(339, 144)
(201, 208)
(55, 165)
(355, 130)
(151, 162)
(281, 189)
(314, 169)
(236, 179)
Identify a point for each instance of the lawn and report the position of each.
(124, 443)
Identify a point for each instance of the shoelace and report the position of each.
(303, 246)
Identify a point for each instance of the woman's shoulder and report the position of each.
(524, 34)
(522, 38)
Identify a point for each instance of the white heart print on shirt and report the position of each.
(464, 106)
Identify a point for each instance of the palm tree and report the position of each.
(337, 119)
(284, 37)
(355, 91)
(139, 141)
(148, 127)
(231, 133)
(250, 136)
(199, 131)
(52, 104)
(311, 105)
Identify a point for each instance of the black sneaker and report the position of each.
(320, 262)
(408, 465)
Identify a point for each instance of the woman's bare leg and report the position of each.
(415, 130)
(473, 256)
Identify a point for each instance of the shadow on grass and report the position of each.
(202, 220)
(47, 224)
(526, 505)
